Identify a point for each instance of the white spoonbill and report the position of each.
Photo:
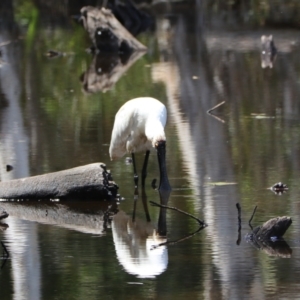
(139, 126)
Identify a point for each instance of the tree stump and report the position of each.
(269, 237)
(275, 227)
(91, 181)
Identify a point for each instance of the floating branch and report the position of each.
(180, 211)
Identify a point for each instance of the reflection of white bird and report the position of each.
(139, 126)
(134, 242)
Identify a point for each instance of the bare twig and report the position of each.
(217, 118)
(216, 106)
(252, 217)
(179, 240)
(213, 108)
(181, 211)
(239, 219)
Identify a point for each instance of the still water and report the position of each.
(55, 115)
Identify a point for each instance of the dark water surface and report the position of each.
(52, 119)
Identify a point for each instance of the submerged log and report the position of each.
(91, 181)
(106, 32)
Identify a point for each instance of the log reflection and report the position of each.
(83, 216)
(106, 69)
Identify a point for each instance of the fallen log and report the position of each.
(91, 181)
(106, 32)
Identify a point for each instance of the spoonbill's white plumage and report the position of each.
(139, 126)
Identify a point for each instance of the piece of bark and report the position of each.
(85, 182)
(106, 32)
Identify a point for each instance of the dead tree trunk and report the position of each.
(85, 182)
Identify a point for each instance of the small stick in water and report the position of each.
(252, 217)
(239, 219)
(181, 211)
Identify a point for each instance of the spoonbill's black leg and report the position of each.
(135, 176)
(144, 170)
